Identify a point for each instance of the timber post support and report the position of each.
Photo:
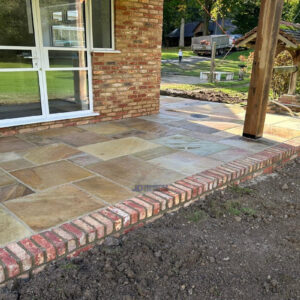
(265, 48)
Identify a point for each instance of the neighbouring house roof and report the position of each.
(189, 28)
(289, 34)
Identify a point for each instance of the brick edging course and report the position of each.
(30, 255)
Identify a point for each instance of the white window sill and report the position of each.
(105, 51)
(40, 119)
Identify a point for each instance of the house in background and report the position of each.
(73, 62)
(195, 29)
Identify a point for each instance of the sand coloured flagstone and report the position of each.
(105, 128)
(130, 171)
(105, 189)
(185, 162)
(46, 176)
(49, 153)
(117, 148)
(10, 228)
(54, 206)
(12, 143)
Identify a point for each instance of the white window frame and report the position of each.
(103, 50)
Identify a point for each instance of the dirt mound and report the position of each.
(204, 95)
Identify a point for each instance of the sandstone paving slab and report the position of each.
(116, 148)
(248, 144)
(11, 228)
(217, 124)
(185, 162)
(176, 141)
(13, 144)
(193, 126)
(52, 207)
(154, 153)
(161, 118)
(84, 159)
(49, 153)
(9, 156)
(194, 145)
(105, 128)
(17, 164)
(10, 188)
(204, 148)
(108, 191)
(293, 124)
(78, 139)
(230, 154)
(284, 132)
(130, 171)
(46, 137)
(53, 174)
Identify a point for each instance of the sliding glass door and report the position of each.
(44, 60)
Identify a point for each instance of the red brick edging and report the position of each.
(30, 255)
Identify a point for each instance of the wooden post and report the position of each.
(265, 48)
(212, 63)
(294, 75)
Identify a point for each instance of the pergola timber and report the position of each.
(268, 40)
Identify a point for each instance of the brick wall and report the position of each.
(125, 84)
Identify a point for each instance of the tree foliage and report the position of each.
(244, 13)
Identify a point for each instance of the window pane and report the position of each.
(67, 59)
(15, 59)
(19, 95)
(16, 25)
(63, 23)
(67, 91)
(101, 10)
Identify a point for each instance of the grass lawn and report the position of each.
(229, 64)
(172, 53)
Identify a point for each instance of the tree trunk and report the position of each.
(206, 24)
(181, 39)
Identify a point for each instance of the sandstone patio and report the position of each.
(52, 176)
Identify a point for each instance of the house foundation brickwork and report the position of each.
(125, 84)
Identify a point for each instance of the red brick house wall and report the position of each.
(125, 84)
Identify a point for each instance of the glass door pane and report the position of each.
(16, 23)
(19, 95)
(66, 66)
(19, 75)
(63, 23)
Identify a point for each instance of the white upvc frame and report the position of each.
(39, 59)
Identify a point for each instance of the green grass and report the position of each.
(229, 64)
(197, 216)
(23, 87)
(172, 53)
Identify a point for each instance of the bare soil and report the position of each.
(239, 243)
(204, 95)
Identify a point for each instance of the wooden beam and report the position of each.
(265, 48)
(285, 69)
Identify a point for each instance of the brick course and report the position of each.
(125, 84)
